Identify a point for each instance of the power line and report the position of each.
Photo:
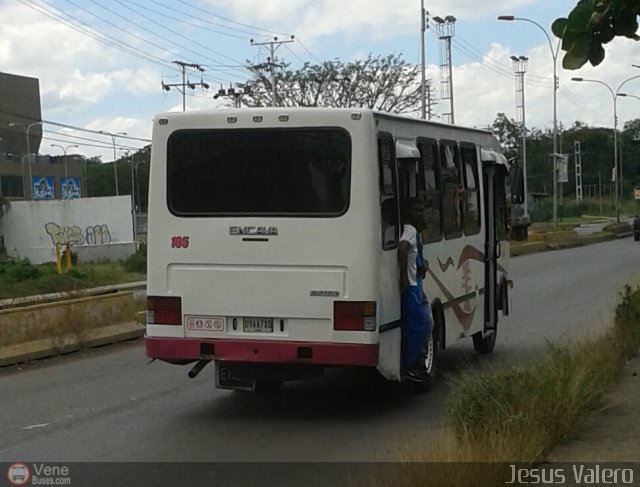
(308, 51)
(232, 21)
(89, 31)
(186, 22)
(98, 146)
(168, 29)
(115, 26)
(73, 127)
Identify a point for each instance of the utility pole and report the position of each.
(578, 159)
(182, 87)
(424, 25)
(446, 30)
(233, 93)
(271, 63)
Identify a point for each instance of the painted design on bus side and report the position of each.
(462, 310)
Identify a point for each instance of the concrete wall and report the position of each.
(99, 229)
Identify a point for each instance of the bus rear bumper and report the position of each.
(184, 350)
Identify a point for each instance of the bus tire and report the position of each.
(432, 357)
(485, 344)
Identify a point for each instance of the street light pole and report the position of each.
(27, 128)
(519, 69)
(554, 56)
(115, 166)
(424, 25)
(614, 96)
(64, 150)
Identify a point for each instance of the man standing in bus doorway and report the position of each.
(416, 316)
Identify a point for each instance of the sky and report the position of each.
(100, 63)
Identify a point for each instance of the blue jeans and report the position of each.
(416, 326)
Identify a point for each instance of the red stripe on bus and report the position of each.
(263, 351)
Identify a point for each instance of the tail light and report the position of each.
(164, 311)
(354, 315)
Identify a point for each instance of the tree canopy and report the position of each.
(387, 83)
(591, 24)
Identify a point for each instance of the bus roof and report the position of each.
(337, 112)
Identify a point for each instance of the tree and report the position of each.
(591, 24)
(509, 133)
(384, 83)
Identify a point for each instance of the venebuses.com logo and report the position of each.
(18, 474)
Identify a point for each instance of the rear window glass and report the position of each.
(288, 172)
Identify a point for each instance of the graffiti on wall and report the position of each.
(92, 235)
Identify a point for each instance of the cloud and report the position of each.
(377, 19)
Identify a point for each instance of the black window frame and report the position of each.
(388, 197)
(468, 146)
(226, 214)
(428, 235)
(449, 197)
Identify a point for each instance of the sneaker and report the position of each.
(416, 375)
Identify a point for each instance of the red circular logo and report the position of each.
(18, 474)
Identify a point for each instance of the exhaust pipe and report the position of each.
(197, 368)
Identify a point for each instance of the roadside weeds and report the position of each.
(496, 418)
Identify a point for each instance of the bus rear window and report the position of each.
(288, 172)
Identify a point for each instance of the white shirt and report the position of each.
(409, 234)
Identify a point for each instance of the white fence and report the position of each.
(98, 229)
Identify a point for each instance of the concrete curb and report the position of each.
(50, 347)
(43, 298)
(531, 247)
(527, 248)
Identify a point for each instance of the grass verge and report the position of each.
(20, 278)
(520, 414)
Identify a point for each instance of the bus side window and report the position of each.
(430, 162)
(471, 215)
(388, 194)
(503, 207)
(452, 190)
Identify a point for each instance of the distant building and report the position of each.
(23, 173)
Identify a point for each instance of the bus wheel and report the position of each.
(432, 356)
(485, 344)
(434, 345)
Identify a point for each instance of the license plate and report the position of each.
(205, 323)
(258, 325)
(229, 377)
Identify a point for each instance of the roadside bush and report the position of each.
(136, 262)
(80, 274)
(569, 209)
(541, 212)
(19, 270)
(74, 258)
(522, 412)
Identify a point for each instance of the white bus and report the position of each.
(273, 237)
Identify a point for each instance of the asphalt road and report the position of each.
(111, 405)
